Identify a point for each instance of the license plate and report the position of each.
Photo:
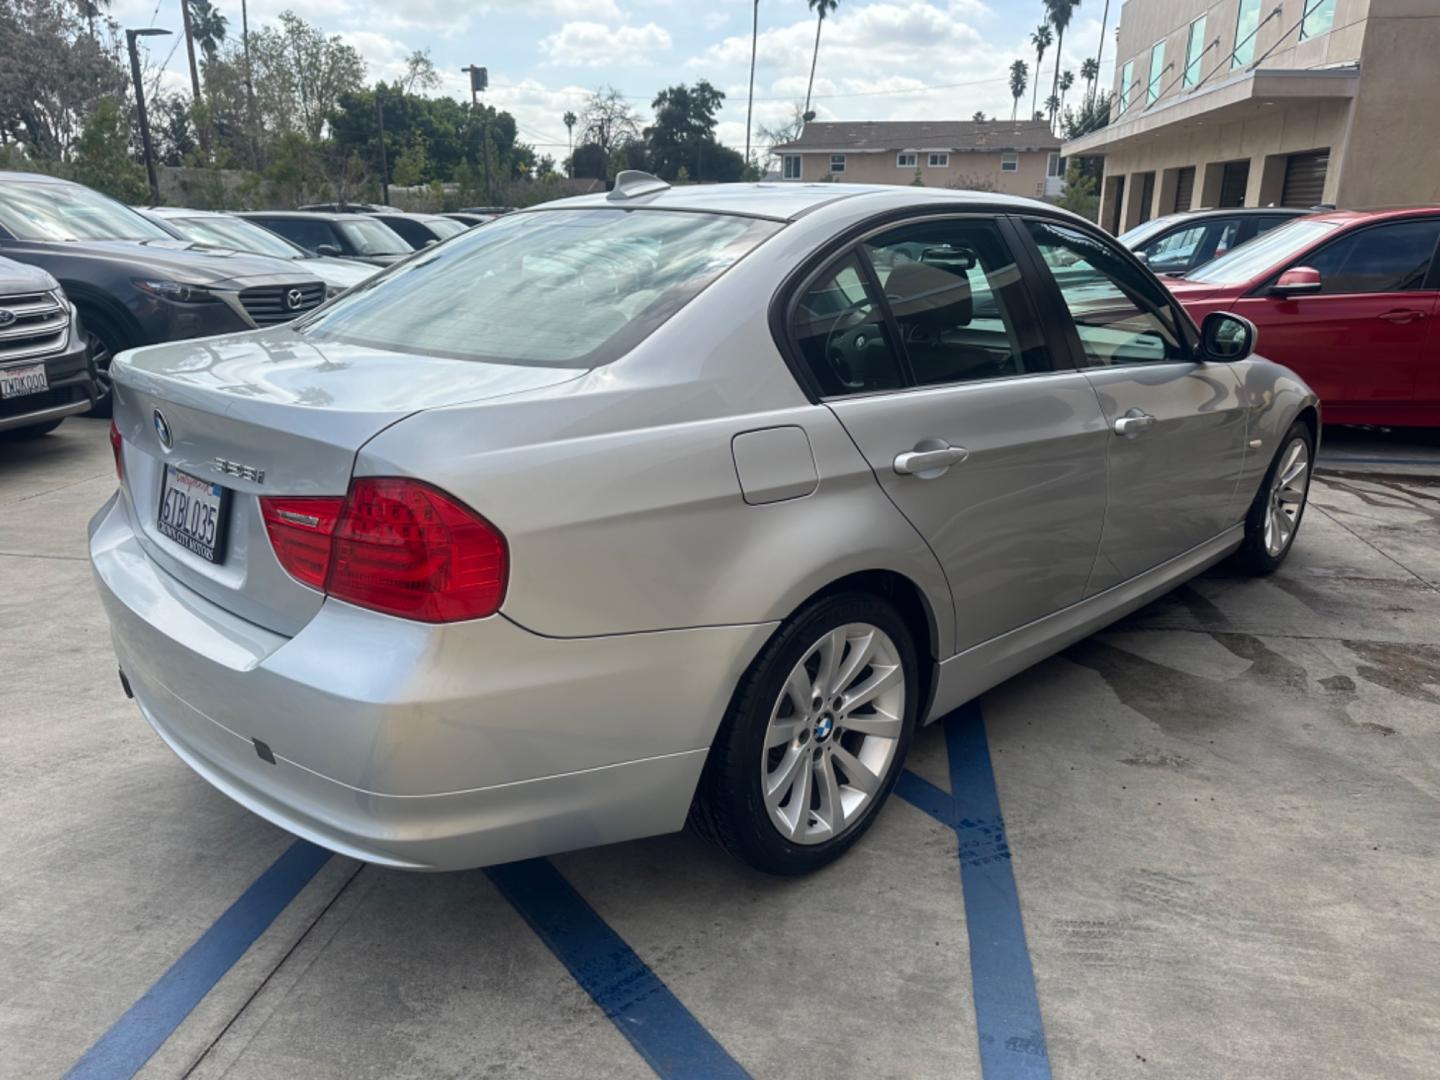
(193, 512)
(17, 382)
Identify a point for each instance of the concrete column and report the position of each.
(1134, 192)
(1208, 180)
(1108, 192)
(1165, 193)
(1267, 183)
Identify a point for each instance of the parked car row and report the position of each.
(83, 277)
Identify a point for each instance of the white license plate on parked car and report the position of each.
(192, 513)
(17, 382)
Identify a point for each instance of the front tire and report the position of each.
(815, 737)
(1274, 517)
(104, 341)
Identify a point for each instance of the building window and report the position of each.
(837, 162)
(790, 167)
(1010, 162)
(1127, 83)
(1319, 18)
(1246, 28)
(908, 160)
(939, 161)
(1054, 165)
(1194, 50)
(1157, 73)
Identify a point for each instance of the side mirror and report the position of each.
(327, 249)
(430, 243)
(1142, 257)
(1226, 338)
(1297, 281)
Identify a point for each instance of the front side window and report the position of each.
(308, 233)
(1246, 29)
(790, 167)
(553, 288)
(905, 160)
(956, 296)
(1157, 73)
(1175, 251)
(41, 211)
(837, 162)
(939, 161)
(1120, 315)
(1009, 162)
(1319, 18)
(1249, 261)
(1127, 83)
(1387, 258)
(839, 327)
(373, 237)
(1194, 50)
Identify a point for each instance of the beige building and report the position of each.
(1018, 158)
(1261, 102)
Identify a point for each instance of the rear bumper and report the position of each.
(418, 746)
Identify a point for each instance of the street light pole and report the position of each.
(479, 80)
(130, 36)
(384, 167)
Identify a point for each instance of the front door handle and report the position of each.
(1402, 315)
(1133, 423)
(929, 459)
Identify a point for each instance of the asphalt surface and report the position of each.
(1220, 819)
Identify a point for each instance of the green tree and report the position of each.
(821, 9)
(683, 134)
(1042, 39)
(102, 155)
(303, 73)
(1079, 194)
(1067, 80)
(1061, 12)
(1019, 79)
(1092, 115)
(607, 121)
(1089, 72)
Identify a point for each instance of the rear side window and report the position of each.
(840, 328)
(561, 288)
(1119, 313)
(1387, 258)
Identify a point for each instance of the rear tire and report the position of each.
(821, 721)
(1273, 520)
(34, 431)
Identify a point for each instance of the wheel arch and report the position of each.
(86, 299)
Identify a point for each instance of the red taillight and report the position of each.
(117, 446)
(397, 546)
(300, 532)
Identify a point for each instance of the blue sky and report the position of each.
(882, 59)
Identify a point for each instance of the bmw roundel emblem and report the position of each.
(162, 430)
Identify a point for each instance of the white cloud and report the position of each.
(560, 9)
(592, 44)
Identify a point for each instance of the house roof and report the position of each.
(957, 135)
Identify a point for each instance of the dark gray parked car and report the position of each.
(134, 283)
(1179, 243)
(45, 372)
(420, 230)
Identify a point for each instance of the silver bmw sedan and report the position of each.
(668, 504)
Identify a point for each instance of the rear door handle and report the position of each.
(1402, 315)
(1133, 423)
(929, 459)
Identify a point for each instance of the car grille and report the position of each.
(271, 304)
(32, 324)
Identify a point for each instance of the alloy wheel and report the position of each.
(833, 733)
(100, 357)
(1288, 489)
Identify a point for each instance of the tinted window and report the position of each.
(1387, 258)
(372, 237)
(1120, 314)
(1176, 251)
(412, 232)
(1251, 260)
(565, 288)
(957, 299)
(308, 234)
(1265, 224)
(840, 328)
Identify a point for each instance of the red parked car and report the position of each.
(1349, 300)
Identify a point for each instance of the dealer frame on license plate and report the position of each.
(194, 513)
(21, 381)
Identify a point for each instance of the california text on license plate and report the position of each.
(192, 513)
(19, 381)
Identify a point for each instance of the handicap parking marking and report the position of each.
(635, 999)
(133, 1039)
(1007, 1008)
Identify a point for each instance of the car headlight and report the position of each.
(179, 291)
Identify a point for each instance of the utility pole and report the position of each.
(479, 80)
(750, 101)
(384, 168)
(130, 36)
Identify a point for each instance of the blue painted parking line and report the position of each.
(637, 1002)
(132, 1039)
(1007, 1009)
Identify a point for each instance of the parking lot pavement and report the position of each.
(1221, 817)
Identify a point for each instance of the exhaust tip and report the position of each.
(125, 685)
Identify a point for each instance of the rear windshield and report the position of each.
(1140, 233)
(444, 227)
(373, 237)
(1251, 259)
(560, 288)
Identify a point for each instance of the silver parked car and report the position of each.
(666, 504)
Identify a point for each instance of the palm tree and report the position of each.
(1067, 80)
(1019, 78)
(208, 27)
(1052, 104)
(821, 9)
(569, 120)
(979, 116)
(1089, 72)
(1060, 14)
(750, 103)
(1042, 40)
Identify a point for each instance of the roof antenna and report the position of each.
(632, 183)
